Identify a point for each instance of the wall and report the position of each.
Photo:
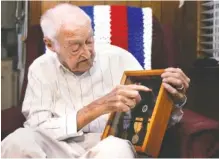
(9, 73)
(8, 30)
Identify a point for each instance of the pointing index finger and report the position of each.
(139, 87)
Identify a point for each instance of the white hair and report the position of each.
(54, 18)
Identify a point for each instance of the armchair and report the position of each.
(184, 139)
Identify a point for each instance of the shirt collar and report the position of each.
(57, 62)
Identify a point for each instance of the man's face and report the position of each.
(76, 47)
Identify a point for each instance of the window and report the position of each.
(208, 28)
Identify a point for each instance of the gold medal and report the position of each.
(137, 128)
(135, 139)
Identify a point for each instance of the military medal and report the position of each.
(137, 128)
(126, 124)
(135, 139)
(144, 108)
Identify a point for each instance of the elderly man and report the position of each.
(72, 89)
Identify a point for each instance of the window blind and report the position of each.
(209, 28)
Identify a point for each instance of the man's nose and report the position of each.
(86, 53)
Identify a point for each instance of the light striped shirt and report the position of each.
(54, 94)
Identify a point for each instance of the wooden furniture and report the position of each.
(145, 125)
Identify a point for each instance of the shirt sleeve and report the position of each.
(176, 116)
(38, 108)
(177, 112)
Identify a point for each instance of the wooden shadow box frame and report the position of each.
(148, 120)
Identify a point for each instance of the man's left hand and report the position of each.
(175, 82)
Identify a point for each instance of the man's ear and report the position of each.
(49, 44)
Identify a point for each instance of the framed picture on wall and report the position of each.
(144, 125)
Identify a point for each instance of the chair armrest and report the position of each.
(12, 119)
(199, 136)
(194, 123)
(195, 136)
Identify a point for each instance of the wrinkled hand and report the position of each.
(175, 82)
(122, 98)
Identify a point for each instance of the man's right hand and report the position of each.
(121, 99)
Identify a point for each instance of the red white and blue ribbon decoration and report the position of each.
(126, 27)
